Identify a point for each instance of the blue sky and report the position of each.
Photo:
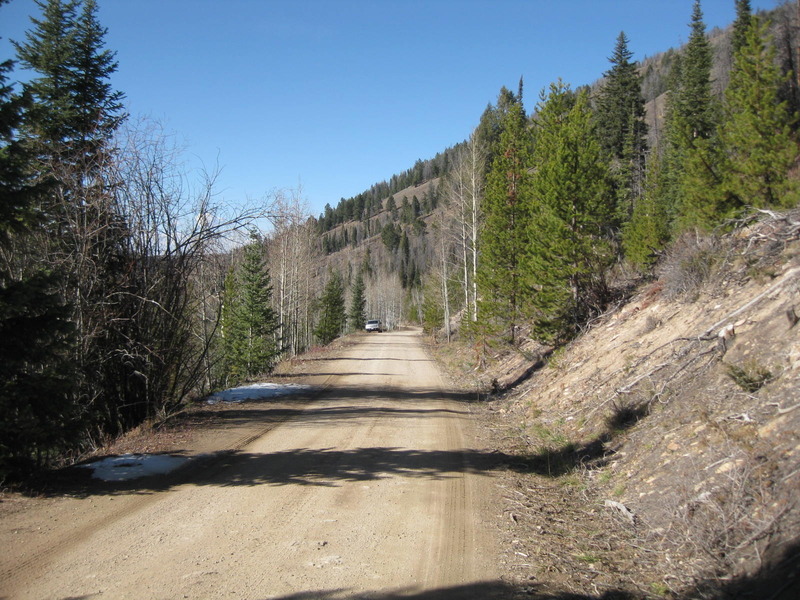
(333, 95)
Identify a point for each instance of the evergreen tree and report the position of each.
(694, 116)
(507, 211)
(406, 264)
(669, 157)
(358, 304)
(228, 328)
(332, 311)
(366, 265)
(391, 235)
(69, 127)
(620, 106)
(17, 192)
(696, 111)
(741, 25)
(432, 309)
(621, 126)
(99, 109)
(568, 233)
(249, 323)
(76, 111)
(36, 411)
(405, 211)
(50, 52)
(648, 231)
(492, 121)
(756, 133)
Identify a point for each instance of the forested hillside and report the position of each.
(127, 289)
(548, 211)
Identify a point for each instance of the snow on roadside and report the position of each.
(132, 466)
(257, 391)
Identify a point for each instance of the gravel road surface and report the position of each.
(369, 489)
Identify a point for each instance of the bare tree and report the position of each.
(385, 298)
(293, 254)
(170, 286)
(464, 197)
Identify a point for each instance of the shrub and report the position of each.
(688, 264)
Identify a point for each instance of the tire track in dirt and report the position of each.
(365, 488)
(206, 463)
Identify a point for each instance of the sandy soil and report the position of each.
(368, 489)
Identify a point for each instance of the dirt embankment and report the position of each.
(658, 455)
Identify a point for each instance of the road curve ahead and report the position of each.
(367, 491)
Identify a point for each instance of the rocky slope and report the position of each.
(658, 454)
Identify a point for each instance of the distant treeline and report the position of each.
(370, 203)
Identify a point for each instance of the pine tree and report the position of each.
(229, 332)
(406, 262)
(507, 211)
(433, 309)
(492, 121)
(693, 103)
(36, 410)
(741, 25)
(76, 111)
(332, 311)
(620, 106)
(99, 109)
(756, 132)
(69, 128)
(17, 192)
(695, 116)
(391, 235)
(648, 231)
(572, 206)
(671, 153)
(249, 323)
(357, 315)
(366, 264)
(50, 52)
(621, 126)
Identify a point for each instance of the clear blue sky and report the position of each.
(338, 95)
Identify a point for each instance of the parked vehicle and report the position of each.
(373, 325)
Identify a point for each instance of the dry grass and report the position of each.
(688, 265)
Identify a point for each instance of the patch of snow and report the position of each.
(257, 391)
(133, 466)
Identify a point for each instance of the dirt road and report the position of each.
(367, 490)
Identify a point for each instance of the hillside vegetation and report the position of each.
(653, 150)
(657, 454)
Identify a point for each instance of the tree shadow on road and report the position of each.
(775, 580)
(331, 466)
(489, 590)
(325, 467)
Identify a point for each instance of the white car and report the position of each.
(373, 325)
